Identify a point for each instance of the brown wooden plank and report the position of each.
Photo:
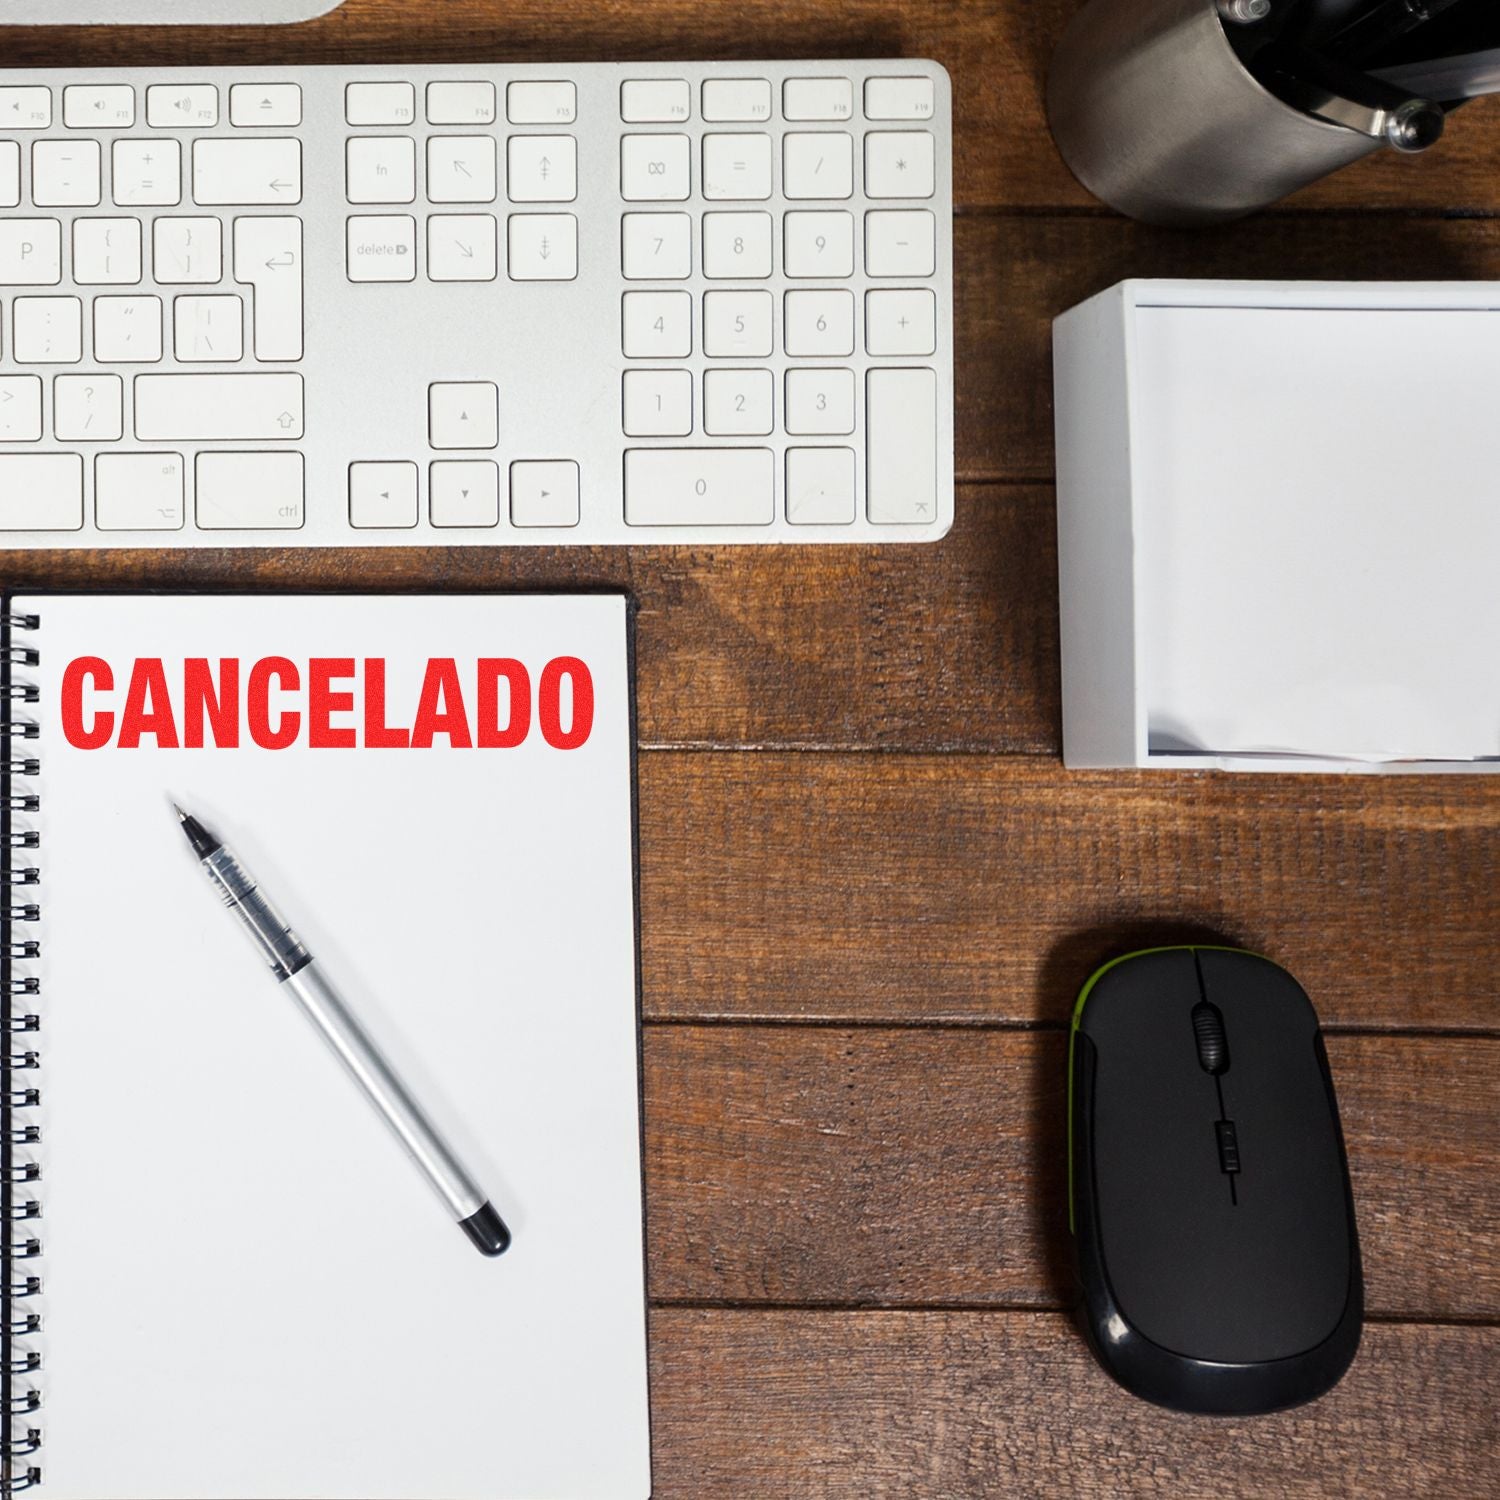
(1013, 276)
(809, 1165)
(998, 53)
(964, 889)
(956, 1405)
(951, 645)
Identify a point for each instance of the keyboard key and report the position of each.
(820, 402)
(185, 251)
(265, 104)
(208, 330)
(139, 491)
(88, 408)
(655, 168)
(646, 101)
(41, 492)
(147, 174)
(737, 325)
(818, 164)
(380, 169)
(543, 492)
(903, 322)
(736, 99)
(182, 106)
(817, 99)
(657, 325)
(460, 104)
(900, 242)
(127, 330)
(658, 403)
(380, 104)
(383, 496)
(382, 247)
(48, 330)
(217, 408)
(901, 446)
(820, 487)
(268, 257)
(533, 102)
(542, 247)
(463, 414)
(20, 408)
(464, 492)
(30, 252)
(26, 108)
(820, 323)
(461, 169)
(249, 491)
(899, 164)
(700, 487)
(106, 252)
(738, 403)
(899, 99)
(108, 107)
(263, 169)
(541, 169)
(65, 174)
(737, 247)
(10, 174)
(657, 247)
(736, 166)
(819, 243)
(462, 247)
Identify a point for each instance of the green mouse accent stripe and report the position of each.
(1082, 1000)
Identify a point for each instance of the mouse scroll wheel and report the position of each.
(1213, 1046)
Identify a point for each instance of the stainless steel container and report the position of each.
(1155, 114)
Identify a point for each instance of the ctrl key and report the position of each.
(41, 492)
(249, 491)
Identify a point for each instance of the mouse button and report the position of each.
(1293, 1223)
(1134, 1002)
(1252, 992)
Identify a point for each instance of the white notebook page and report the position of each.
(249, 1291)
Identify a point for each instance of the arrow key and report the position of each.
(544, 493)
(383, 495)
(463, 414)
(543, 247)
(464, 492)
(461, 247)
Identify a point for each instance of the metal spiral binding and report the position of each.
(20, 1395)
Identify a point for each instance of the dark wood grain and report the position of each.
(962, 889)
(962, 1405)
(878, 1167)
(996, 50)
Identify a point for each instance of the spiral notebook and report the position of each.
(223, 1280)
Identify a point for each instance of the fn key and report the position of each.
(901, 420)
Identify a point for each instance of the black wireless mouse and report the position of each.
(1209, 1191)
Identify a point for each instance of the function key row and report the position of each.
(169, 106)
(661, 101)
(461, 103)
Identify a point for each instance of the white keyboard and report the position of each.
(603, 303)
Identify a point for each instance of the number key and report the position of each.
(657, 325)
(737, 325)
(737, 247)
(737, 403)
(819, 244)
(820, 323)
(658, 403)
(656, 247)
(820, 403)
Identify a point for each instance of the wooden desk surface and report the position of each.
(870, 892)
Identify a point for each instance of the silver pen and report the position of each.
(297, 972)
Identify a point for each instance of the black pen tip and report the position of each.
(203, 842)
(486, 1229)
